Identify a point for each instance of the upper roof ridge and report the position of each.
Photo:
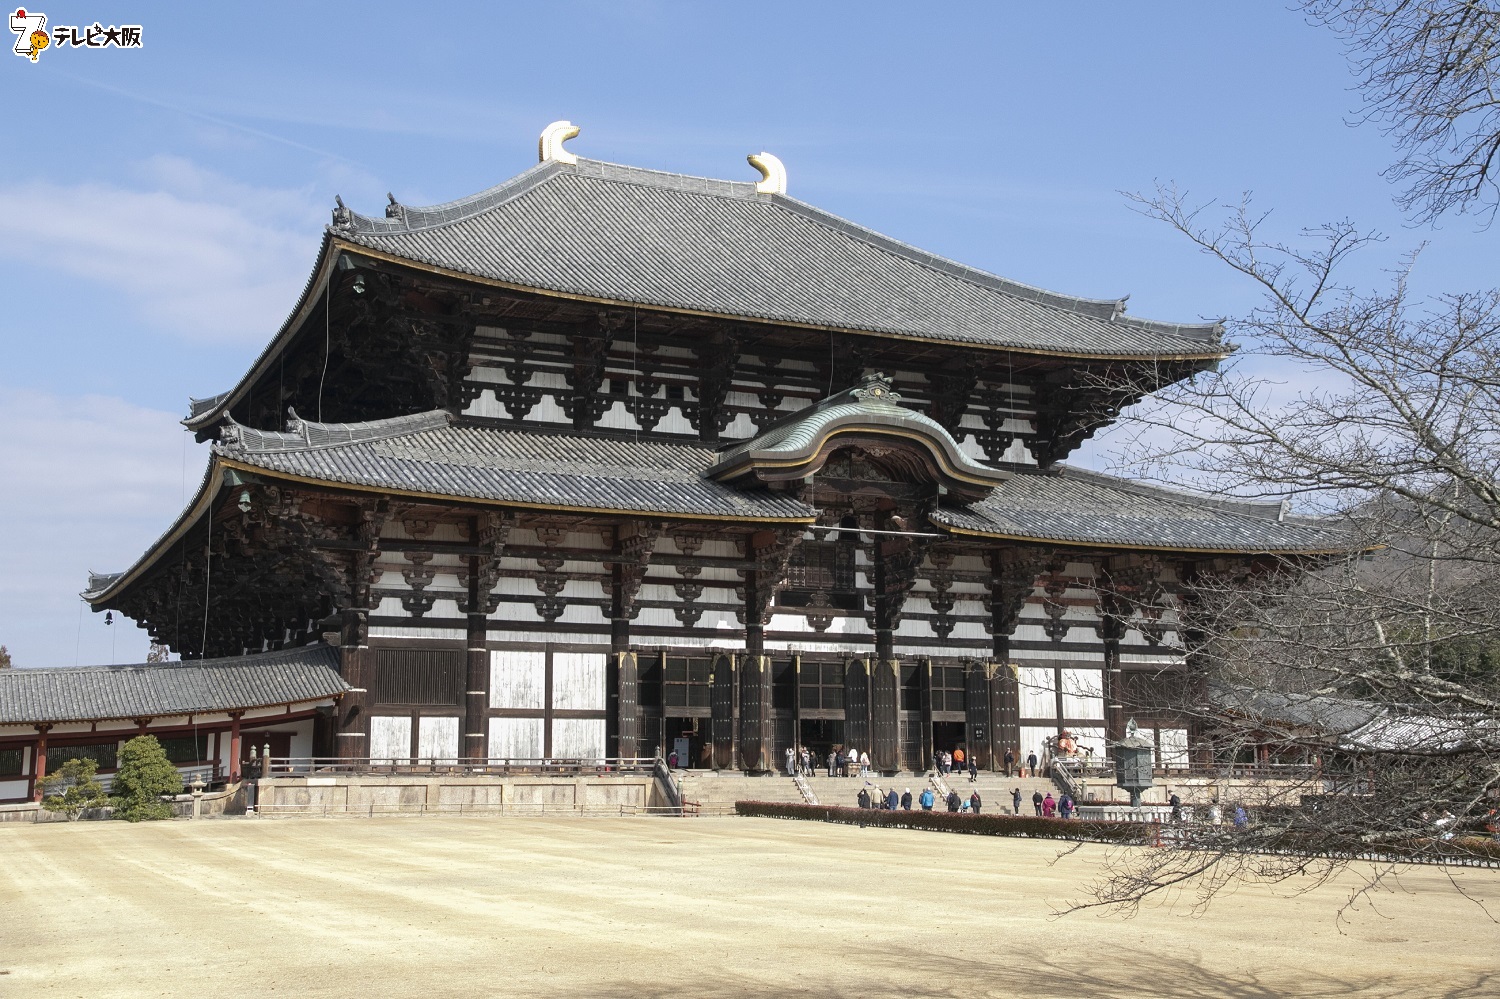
(408, 218)
(307, 435)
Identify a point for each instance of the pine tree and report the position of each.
(71, 788)
(5, 662)
(145, 775)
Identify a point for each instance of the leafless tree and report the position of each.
(1429, 72)
(1384, 422)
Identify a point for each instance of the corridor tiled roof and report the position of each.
(99, 693)
(1080, 507)
(424, 454)
(625, 234)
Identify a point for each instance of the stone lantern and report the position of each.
(1133, 763)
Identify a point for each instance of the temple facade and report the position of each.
(609, 462)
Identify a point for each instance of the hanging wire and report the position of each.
(78, 639)
(208, 575)
(635, 328)
(327, 343)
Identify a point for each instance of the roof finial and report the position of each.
(772, 173)
(550, 147)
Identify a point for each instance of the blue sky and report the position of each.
(166, 202)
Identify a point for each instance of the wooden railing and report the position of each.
(306, 766)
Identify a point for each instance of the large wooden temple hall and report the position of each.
(604, 457)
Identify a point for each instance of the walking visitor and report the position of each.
(906, 800)
(927, 799)
(953, 802)
(893, 800)
(1065, 805)
(1036, 801)
(864, 764)
(1010, 761)
(973, 771)
(1049, 806)
(1031, 763)
(1015, 801)
(974, 802)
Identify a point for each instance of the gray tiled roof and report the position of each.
(97, 693)
(625, 234)
(1082, 507)
(424, 454)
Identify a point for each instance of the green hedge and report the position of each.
(1033, 827)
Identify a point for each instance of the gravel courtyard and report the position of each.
(656, 907)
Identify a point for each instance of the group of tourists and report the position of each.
(1045, 805)
(843, 761)
(1010, 764)
(948, 762)
(871, 796)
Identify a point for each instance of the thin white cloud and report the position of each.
(192, 252)
(102, 479)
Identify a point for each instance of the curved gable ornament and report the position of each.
(870, 417)
(550, 145)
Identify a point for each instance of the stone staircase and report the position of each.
(716, 792)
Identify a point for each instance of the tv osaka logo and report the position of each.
(32, 38)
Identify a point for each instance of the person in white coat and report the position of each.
(864, 763)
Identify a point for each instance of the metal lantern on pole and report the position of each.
(1133, 763)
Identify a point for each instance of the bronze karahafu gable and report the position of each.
(871, 416)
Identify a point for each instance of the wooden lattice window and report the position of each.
(685, 682)
(822, 686)
(186, 749)
(419, 676)
(104, 753)
(10, 762)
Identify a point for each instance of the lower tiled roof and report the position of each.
(423, 454)
(1086, 508)
(100, 693)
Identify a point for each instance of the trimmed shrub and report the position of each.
(72, 789)
(1027, 826)
(145, 775)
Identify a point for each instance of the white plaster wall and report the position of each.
(1174, 748)
(516, 738)
(617, 417)
(518, 679)
(12, 789)
(390, 737)
(547, 411)
(578, 738)
(1034, 740)
(402, 631)
(578, 681)
(675, 423)
(1093, 738)
(1038, 692)
(741, 426)
(437, 738)
(1083, 693)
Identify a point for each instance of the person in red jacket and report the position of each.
(1049, 806)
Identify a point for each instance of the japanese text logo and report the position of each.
(30, 28)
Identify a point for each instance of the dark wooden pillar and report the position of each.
(39, 761)
(977, 721)
(755, 714)
(235, 751)
(885, 718)
(476, 667)
(721, 723)
(924, 703)
(355, 665)
(857, 704)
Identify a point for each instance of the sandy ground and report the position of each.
(655, 907)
